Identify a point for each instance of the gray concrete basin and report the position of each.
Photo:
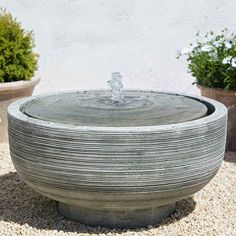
(117, 166)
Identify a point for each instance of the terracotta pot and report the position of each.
(228, 98)
(9, 92)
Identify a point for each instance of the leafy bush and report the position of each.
(212, 60)
(17, 60)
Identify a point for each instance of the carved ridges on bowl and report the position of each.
(116, 168)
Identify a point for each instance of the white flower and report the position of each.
(214, 55)
(211, 37)
(233, 62)
(186, 50)
(218, 43)
(228, 45)
(207, 48)
(229, 38)
(227, 60)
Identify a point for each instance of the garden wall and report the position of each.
(81, 42)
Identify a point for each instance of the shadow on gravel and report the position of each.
(230, 157)
(21, 205)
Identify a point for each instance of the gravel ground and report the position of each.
(212, 211)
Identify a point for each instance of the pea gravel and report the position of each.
(212, 211)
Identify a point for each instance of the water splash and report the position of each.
(116, 88)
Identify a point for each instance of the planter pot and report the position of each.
(117, 165)
(228, 98)
(9, 92)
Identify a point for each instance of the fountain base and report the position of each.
(115, 165)
(117, 219)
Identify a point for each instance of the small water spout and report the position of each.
(116, 88)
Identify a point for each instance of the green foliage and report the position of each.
(212, 60)
(17, 60)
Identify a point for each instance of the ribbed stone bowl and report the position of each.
(117, 165)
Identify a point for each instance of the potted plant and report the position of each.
(212, 61)
(18, 63)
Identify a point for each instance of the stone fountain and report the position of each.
(117, 158)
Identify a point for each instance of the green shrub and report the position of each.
(17, 60)
(212, 60)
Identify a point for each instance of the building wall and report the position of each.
(81, 42)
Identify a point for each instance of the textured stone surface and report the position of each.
(117, 168)
(211, 211)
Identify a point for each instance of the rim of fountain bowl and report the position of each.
(14, 110)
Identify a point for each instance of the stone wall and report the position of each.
(82, 41)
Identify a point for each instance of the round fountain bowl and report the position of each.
(117, 165)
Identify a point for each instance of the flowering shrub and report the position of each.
(17, 60)
(212, 60)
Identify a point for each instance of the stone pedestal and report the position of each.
(132, 218)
